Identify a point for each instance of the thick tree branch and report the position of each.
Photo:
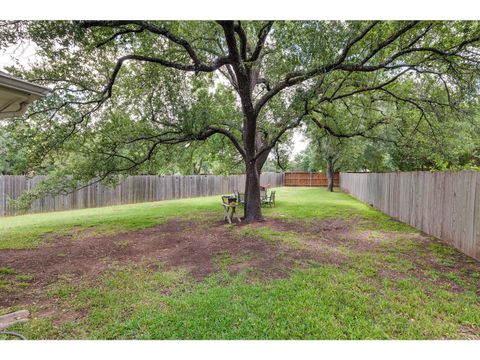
(298, 77)
(243, 39)
(355, 40)
(231, 137)
(261, 37)
(119, 33)
(364, 88)
(218, 63)
(389, 41)
(159, 30)
(229, 31)
(282, 131)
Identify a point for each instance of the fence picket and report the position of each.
(131, 189)
(443, 204)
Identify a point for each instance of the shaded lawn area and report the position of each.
(323, 266)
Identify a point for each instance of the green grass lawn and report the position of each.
(374, 278)
(18, 232)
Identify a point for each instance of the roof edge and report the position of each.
(22, 85)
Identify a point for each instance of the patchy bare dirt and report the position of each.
(199, 247)
(333, 233)
(175, 243)
(470, 333)
(337, 237)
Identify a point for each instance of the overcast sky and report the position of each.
(22, 53)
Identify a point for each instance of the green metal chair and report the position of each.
(263, 195)
(269, 200)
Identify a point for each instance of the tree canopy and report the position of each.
(126, 91)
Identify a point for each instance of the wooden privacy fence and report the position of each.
(443, 204)
(309, 179)
(133, 189)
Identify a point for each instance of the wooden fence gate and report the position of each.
(309, 179)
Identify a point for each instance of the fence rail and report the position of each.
(133, 189)
(309, 179)
(444, 204)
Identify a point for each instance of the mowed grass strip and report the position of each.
(297, 204)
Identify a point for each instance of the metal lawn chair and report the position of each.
(263, 194)
(229, 205)
(269, 200)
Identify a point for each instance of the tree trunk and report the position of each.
(246, 79)
(253, 210)
(260, 143)
(252, 181)
(330, 173)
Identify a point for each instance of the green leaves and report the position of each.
(407, 90)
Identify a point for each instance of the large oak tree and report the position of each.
(250, 82)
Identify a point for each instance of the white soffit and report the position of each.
(16, 94)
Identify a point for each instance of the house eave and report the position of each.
(16, 94)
